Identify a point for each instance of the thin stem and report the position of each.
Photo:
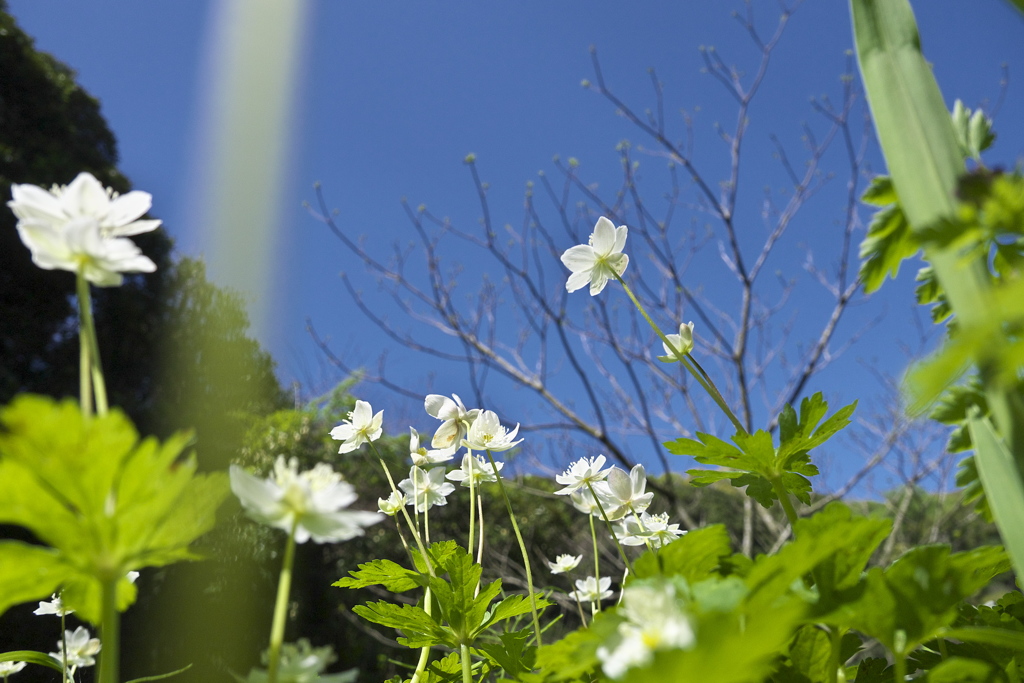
(284, 586)
(836, 636)
(63, 639)
(472, 508)
(88, 335)
(579, 606)
(405, 513)
(110, 634)
(702, 377)
(84, 364)
(522, 549)
(604, 516)
(480, 543)
(467, 665)
(421, 665)
(597, 560)
(787, 504)
(899, 667)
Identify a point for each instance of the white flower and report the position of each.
(131, 576)
(392, 504)
(117, 215)
(654, 621)
(81, 648)
(475, 469)
(9, 668)
(313, 500)
(55, 606)
(599, 260)
(362, 426)
(421, 457)
(302, 663)
(582, 472)
(487, 434)
(682, 342)
(659, 530)
(584, 501)
(653, 529)
(456, 420)
(82, 227)
(426, 488)
(81, 246)
(623, 493)
(564, 563)
(592, 590)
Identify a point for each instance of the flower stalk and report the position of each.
(522, 549)
(687, 360)
(110, 634)
(284, 586)
(91, 381)
(615, 537)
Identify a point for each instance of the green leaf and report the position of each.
(693, 556)
(419, 628)
(914, 127)
(32, 657)
(755, 463)
(511, 652)
(997, 637)
(513, 606)
(860, 537)
(1003, 486)
(28, 572)
(106, 502)
(810, 652)
(888, 243)
(393, 576)
(806, 434)
(918, 594)
(961, 670)
(929, 291)
(160, 677)
(575, 655)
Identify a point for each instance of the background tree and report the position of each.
(501, 318)
(167, 339)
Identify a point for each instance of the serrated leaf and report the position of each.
(105, 501)
(692, 557)
(513, 606)
(880, 192)
(888, 243)
(810, 652)
(511, 652)
(393, 576)
(420, 628)
(800, 437)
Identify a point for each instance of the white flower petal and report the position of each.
(579, 258)
(604, 237)
(85, 196)
(127, 208)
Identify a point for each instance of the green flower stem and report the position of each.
(87, 335)
(405, 513)
(522, 549)
(467, 665)
(63, 640)
(421, 665)
(899, 664)
(787, 504)
(284, 586)
(597, 560)
(702, 377)
(480, 541)
(643, 528)
(472, 510)
(836, 636)
(110, 633)
(604, 516)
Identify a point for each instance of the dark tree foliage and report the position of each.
(175, 348)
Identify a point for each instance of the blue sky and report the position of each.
(392, 96)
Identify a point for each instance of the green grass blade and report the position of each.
(32, 657)
(1003, 486)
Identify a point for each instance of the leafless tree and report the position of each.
(591, 361)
